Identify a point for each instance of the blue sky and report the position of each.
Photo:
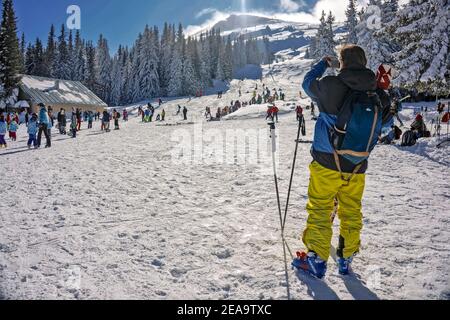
(120, 21)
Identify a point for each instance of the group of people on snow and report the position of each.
(41, 124)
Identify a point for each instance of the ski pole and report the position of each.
(274, 150)
(292, 173)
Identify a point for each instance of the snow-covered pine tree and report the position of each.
(190, 74)
(71, 53)
(421, 28)
(167, 43)
(89, 69)
(175, 88)
(351, 23)
(374, 41)
(79, 58)
(63, 67)
(23, 49)
(330, 43)
(38, 58)
(51, 54)
(116, 78)
(228, 60)
(205, 63)
(29, 62)
(322, 39)
(10, 57)
(103, 69)
(148, 77)
(389, 10)
(239, 53)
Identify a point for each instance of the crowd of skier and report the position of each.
(41, 123)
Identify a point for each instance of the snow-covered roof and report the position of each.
(58, 92)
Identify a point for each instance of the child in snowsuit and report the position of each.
(32, 130)
(2, 132)
(13, 127)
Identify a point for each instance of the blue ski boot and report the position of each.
(344, 265)
(310, 263)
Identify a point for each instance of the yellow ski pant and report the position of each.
(326, 185)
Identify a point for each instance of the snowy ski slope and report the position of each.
(113, 216)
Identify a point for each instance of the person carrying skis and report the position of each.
(335, 171)
(32, 130)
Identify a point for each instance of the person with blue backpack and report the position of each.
(352, 111)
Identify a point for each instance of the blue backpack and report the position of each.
(358, 126)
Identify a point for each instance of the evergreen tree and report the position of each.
(228, 60)
(103, 69)
(10, 56)
(148, 82)
(421, 29)
(322, 39)
(62, 70)
(23, 49)
(78, 58)
(389, 10)
(351, 23)
(175, 87)
(51, 54)
(377, 46)
(89, 78)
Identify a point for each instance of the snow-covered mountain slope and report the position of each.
(282, 35)
(118, 216)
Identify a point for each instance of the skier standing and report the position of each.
(106, 119)
(73, 124)
(43, 126)
(333, 175)
(299, 112)
(185, 111)
(3, 129)
(163, 115)
(116, 117)
(78, 113)
(90, 118)
(62, 122)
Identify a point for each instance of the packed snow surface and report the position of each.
(117, 216)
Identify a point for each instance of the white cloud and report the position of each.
(216, 16)
(205, 12)
(289, 5)
(289, 11)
